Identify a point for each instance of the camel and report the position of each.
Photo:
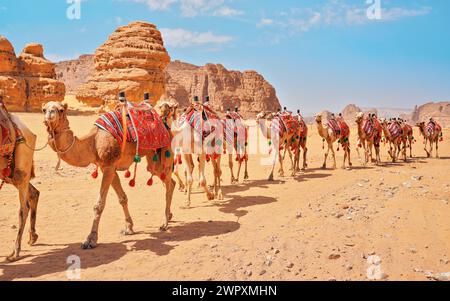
(393, 133)
(432, 133)
(195, 143)
(265, 121)
(369, 136)
(18, 169)
(240, 147)
(301, 139)
(330, 135)
(408, 136)
(100, 148)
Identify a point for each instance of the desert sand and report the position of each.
(320, 225)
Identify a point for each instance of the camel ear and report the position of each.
(65, 106)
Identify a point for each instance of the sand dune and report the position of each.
(320, 225)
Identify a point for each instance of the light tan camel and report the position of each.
(285, 140)
(369, 140)
(330, 136)
(241, 151)
(99, 147)
(408, 136)
(395, 139)
(190, 142)
(22, 171)
(432, 135)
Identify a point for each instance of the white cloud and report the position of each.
(192, 8)
(265, 22)
(226, 11)
(179, 37)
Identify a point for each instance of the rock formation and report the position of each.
(247, 90)
(440, 111)
(76, 72)
(133, 60)
(27, 81)
(349, 113)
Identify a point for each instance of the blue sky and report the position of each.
(318, 54)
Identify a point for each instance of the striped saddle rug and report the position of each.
(235, 130)
(369, 127)
(433, 127)
(202, 121)
(395, 130)
(144, 127)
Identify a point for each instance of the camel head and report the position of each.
(55, 114)
(420, 125)
(359, 117)
(318, 118)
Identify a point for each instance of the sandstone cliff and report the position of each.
(247, 90)
(440, 111)
(76, 72)
(27, 81)
(133, 60)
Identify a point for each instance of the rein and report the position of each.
(59, 152)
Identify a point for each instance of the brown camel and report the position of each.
(393, 133)
(16, 168)
(100, 147)
(330, 135)
(265, 121)
(369, 136)
(408, 136)
(191, 142)
(432, 134)
(300, 143)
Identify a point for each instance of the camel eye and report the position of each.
(61, 110)
(44, 110)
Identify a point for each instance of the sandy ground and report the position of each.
(321, 225)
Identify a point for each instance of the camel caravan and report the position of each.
(173, 142)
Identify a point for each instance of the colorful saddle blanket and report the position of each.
(7, 132)
(289, 122)
(334, 125)
(433, 127)
(395, 130)
(235, 130)
(202, 121)
(144, 127)
(345, 129)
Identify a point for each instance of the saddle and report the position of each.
(144, 127)
(201, 119)
(395, 130)
(369, 127)
(235, 129)
(433, 127)
(289, 122)
(8, 132)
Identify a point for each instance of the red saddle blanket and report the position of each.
(201, 120)
(369, 127)
(7, 132)
(290, 123)
(144, 127)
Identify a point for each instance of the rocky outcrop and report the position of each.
(350, 111)
(247, 90)
(133, 60)
(27, 81)
(76, 72)
(440, 111)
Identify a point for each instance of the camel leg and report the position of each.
(209, 194)
(241, 160)
(425, 148)
(33, 194)
(273, 166)
(170, 187)
(123, 200)
(189, 170)
(281, 159)
(217, 179)
(230, 165)
(108, 176)
(181, 185)
(305, 151)
(23, 215)
(246, 177)
(437, 147)
(326, 157)
(333, 153)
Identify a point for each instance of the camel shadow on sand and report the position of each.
(55, 261)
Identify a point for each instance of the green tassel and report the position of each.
(155, 158)
(137, 159)
(270, 143)
(168, 154)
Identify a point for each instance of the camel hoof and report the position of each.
(128, 232)
(12, 258)
(88, 244)
(164, 227)
(33, 239)
(220, 196)
(210, 197)
(246, 177)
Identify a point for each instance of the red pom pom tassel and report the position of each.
(6, 172)
(150, 181)
(127, 174)
(162, 177)
(132, 183)
(94, 175)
